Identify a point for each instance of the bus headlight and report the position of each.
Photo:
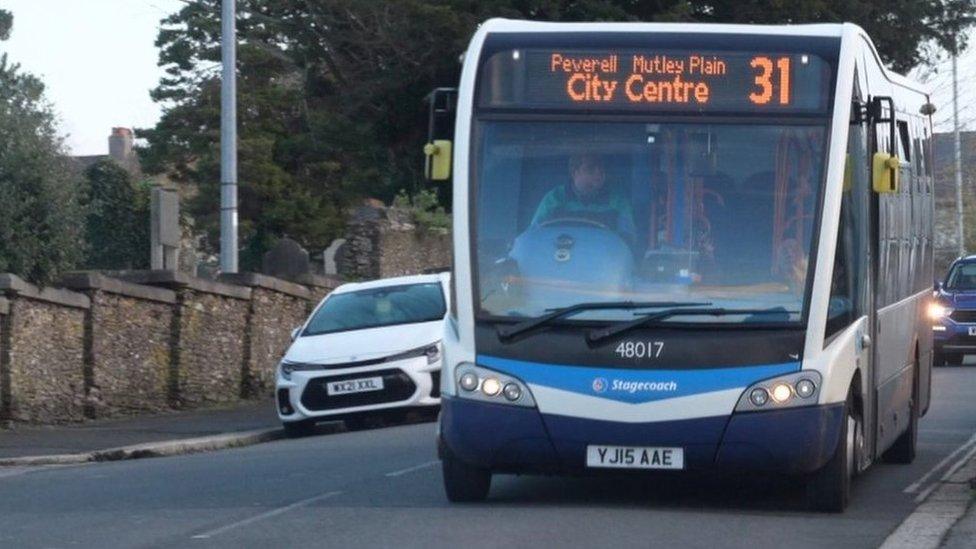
(797, 389)
(477, 383)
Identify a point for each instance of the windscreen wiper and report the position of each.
(596, 336)
(508, 332)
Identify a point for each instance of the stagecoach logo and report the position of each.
(599, 385)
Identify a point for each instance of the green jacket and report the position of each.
(612, 209)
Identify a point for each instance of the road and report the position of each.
(382, 488)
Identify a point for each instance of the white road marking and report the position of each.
(958, 464)
(918, 483)
(412, 469)
(262, 516)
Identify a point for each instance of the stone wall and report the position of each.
(383, 242)
(144, 341)
(128, 345)
(209, 337)
(4, 345)
(276, 307)
(318, 286)
(42, 375)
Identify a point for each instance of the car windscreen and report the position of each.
(376, 307)
(962, 277)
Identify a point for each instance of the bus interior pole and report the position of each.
(961, 235)
(228, 139)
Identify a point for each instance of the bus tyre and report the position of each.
(829, 489)
(462, 482)
(903, 450)
(298, 429)
(938, 358)
(953, 359)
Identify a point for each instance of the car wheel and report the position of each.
(903, 450)
(298, 429)
(462, 482)
(829, 489)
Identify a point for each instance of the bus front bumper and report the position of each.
(514, 439)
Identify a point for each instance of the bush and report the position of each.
(40, 219)
(116, 218)
(425, 209)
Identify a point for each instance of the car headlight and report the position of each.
(432, 351)
(938, 311)
(477, 383)
(287, 368)
(797, 389)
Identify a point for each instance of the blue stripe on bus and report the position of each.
(635, 386)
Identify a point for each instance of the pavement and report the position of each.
(99, 440)
(382, 487)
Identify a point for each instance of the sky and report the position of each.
(97, 59)
(939, 77)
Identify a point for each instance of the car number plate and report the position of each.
(350, 386)
(972, 330)
(631, 457)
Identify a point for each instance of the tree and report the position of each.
(331, 91)
(116, 218)
(6, 22)
(39, 215)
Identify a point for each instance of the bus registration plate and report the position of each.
(631, 457)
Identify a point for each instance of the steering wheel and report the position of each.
(577, 220)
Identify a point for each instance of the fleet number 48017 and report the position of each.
(639, 349)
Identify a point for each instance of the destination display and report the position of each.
(655, 80)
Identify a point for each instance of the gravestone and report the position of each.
(165, 233)
(329, 256)
(286, 260)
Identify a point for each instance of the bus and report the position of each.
(684, 247)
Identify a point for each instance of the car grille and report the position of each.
(963, 316)
(397, 386)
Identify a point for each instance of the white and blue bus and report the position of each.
(684, 247)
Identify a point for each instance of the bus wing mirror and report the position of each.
(437, 166)
(885, 173)
(295, 332)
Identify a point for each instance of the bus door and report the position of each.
(856, 255)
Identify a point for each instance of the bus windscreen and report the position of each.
(655, 80)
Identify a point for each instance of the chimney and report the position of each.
(120, 145)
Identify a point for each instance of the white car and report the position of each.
(367, 347)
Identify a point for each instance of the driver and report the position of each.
(587, 196)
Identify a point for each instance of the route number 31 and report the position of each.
(768, 72)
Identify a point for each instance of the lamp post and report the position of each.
(228, 139)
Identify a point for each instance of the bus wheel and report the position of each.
(938, 358)
(953, 359)
(829, 489)
(903, 450)
(462, 482)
